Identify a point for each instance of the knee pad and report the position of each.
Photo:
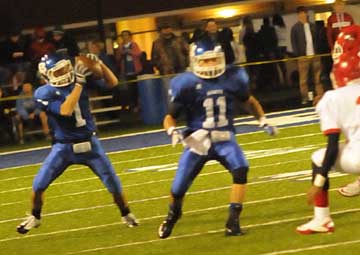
(240, 175)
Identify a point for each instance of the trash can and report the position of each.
(153, 99)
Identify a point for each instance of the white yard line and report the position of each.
(311, 248)
(147, 218)
(151, 182)
(220, 231)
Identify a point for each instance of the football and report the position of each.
(94, 66)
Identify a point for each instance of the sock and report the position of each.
(36, 213)
(124, 211)
(235, 210)
(321, 200)
(176, 207)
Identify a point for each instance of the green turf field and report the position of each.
(79, 217)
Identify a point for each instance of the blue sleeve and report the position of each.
(46, 101)
(181, 89)
(242, 85)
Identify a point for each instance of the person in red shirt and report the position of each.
(40, 46)
(337, 20)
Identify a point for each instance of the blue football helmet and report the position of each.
(207, 59)
(57, 69)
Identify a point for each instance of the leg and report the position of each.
(303, 67)
(322, 222)
(190, 165)
(20, 128)
(319, 89)
(232, 157)
(100, 164)
(53, 166)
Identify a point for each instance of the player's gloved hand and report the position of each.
(270, 130)
(81, 72)
(176, 137)
(93, 57)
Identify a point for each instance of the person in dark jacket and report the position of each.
(64, 42)
(304, 43)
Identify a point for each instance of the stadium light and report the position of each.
(227, 13)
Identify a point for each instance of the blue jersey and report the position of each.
(79, 126)
(209, 103)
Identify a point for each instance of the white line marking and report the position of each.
(314, 247)
(159, 181)
(209, 232)
(148, 218)
(249, 155)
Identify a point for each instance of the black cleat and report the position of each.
(167, 226)
(232, 228)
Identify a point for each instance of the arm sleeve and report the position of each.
(175, 109)
(242, 80)
(47, 103)
(331, 153)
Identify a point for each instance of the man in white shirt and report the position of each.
(339, 112)
(303, 41)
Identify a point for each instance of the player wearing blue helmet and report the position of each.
(66, 102)
(206, 96)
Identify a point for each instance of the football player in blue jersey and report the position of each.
(66, 102)
(206, 95)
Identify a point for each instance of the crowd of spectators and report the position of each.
(19, 55)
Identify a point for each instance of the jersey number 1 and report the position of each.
(80, 121)
(209, 105)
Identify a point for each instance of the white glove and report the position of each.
(270, 130)
(176, 137)
(81, 72)
(93, 57)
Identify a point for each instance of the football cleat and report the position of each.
(232, 228)
(167, 225)
(29, 223)
(325, 225)
(130, 220)
(350, 190)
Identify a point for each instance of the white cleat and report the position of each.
(130, 220)
(325, 225)
(350, 190)
(29, 223)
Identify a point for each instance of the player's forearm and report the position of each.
(255, 108)
(331, 153)
(169, 123)
(67, 108)
(109, 76)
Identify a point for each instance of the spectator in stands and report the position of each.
(197, 34)
(39, 46)
(269, 78)
(63, 41)
(280, 53)
(6, 132)
(128, 58)
(337, 20)
(14, 54)
(212, 31)
(169, 52)
(26, 112)
(97, 48)
(251, 44)
(229, 45)
(303, 41)
(147, 66)
(323, 48)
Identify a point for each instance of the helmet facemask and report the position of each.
(208, 64)
(61, 75)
